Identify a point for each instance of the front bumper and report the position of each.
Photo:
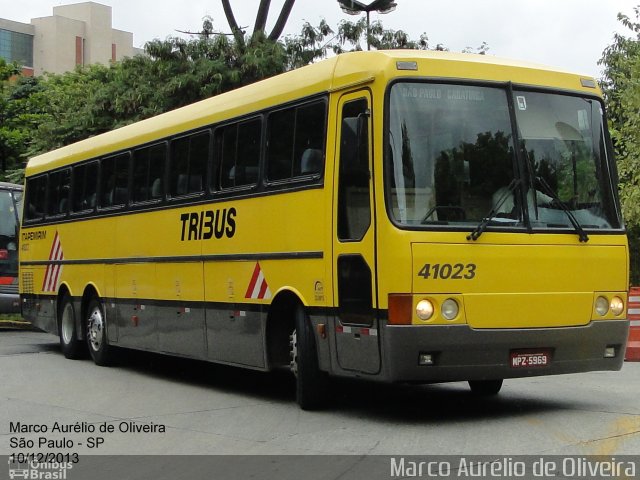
(463, 353)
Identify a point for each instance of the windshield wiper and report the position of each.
(582, 235)
(482, 226)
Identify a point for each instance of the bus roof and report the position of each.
(336, 73)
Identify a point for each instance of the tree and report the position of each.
(20, 115)
(97, 98)
(314, 43)
(7, 70)
(44, 113)
(7, 138)
(261, 20)
(621, 61)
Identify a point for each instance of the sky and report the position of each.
(570, 34)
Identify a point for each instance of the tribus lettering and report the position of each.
(206, 224)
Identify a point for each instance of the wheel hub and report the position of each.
(293, 344)
(96, 326)
(67, 325)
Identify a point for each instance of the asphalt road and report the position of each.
(155, 405)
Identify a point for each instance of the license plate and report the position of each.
(531, 359)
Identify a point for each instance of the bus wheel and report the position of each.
(485, 388)
(100, 350)
(311, 382)
(69, 344)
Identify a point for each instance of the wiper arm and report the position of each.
(582, 235)
(482, 226)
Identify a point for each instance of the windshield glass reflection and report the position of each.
(451, 159)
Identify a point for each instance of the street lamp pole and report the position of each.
(368, 31)
(355, 7)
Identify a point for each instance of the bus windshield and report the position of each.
(563, 145)
(452, 159)
(8, 232)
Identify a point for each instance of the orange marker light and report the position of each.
(400, 309)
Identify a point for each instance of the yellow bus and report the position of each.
(394, 216)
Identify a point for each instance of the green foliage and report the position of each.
(634, 246)
(314, 43)
(310, 45)
(621, 61)
(44, 113)
(350, 34)
(8, 70)
(20, 114)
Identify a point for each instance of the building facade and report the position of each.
(16, 44)
(77, 34)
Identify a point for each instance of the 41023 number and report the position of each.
(447, 271)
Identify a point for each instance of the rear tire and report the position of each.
(311, 382)
(96, 322)
(485, 388)
(72, 347)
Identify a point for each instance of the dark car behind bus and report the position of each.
(10, 213)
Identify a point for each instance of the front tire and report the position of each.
(99, 348)
(311, 382)
(72, 347)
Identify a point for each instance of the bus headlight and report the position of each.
(450, 309)
(602, 306)
(424, 309)
(616, 306)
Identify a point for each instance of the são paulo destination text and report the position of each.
(85, 427)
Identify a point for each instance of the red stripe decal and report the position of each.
(254, 279)
(52, 273)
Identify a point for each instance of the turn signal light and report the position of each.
(400, 309)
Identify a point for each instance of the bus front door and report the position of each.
(356, 325)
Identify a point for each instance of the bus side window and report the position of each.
(114, 181)
(282, 125)
(148, 173)
(226, 140)
(310, 142)
(85, 187)
(240, 154)
(248, 158)
(296, 142)
(36, 197)
(58, 193)
(189, 159)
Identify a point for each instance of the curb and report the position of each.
(15, 325)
